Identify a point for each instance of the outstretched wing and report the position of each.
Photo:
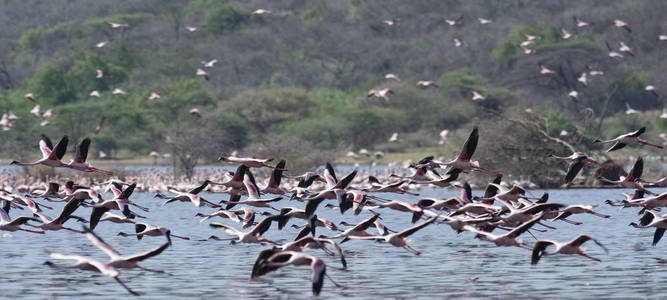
(573, 170)
(61, 148)
(97, 241)
(81, 152)
(637, 170)
(330, 176)
(538, 250)
(128, 191)
(413, 229)
(470, 145)
(45, 146)
(343, 183)
(616, 146)
(639, 132)
(200, 188)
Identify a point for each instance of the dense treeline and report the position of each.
(301, 73)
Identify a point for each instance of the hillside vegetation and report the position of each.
(294, 82)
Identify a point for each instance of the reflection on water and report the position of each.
(451, 265)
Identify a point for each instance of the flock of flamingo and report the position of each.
(500, 216)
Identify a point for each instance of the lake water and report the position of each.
(451, 265)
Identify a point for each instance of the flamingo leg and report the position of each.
(547, 226)
(649, 144)
(571, 222)
(411, 250)
(180, 237)
(601, 215)
(33, 231)
(126, 287)
(332, 281)
(74, 230)
(590, 257)
(139, 206)
(151, 270)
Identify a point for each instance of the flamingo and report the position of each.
(146, 229)
(508, 239)
(273, 186)
(454, 22)
(58, 222)
(119, 202)
(89, 264)
(261, 11)
(8, 224)
(477, 96)
(191, 28)
(625, 49)
(35, 111)
(627, 139)
(50, 157)
(202, 73)
(571, 247)
(95, 93)
(650, 219)
(564, 34)
(116, 260)
(544, 70)
(154, 96)
(392, 76)
(209, 64)
(578, 209)
(253, 236)
(383, 93)
(272, 259)
(249, 162)
(484, 21)
(622, 24)
(632, 179)
(426, 83)
(190, 196)
(580, 23)
(118, 91)
(118, 25)
(398, 239)
(578, 160)
(651, 89)
(314, 243)
(79, 162)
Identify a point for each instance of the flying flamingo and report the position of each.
(627, 139)
(89, 264)
(8, 224)
(79, 162)
(398, 239)
(253, 236)
(650, 219)
(126, 262)
(273, 259)
(50, 157)
(571, 247)
(578, 160)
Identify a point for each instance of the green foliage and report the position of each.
(49, 83)
(81, 75)
(264, 109)
(555, 121)
(222, 16)
(508, 47)
(31, 40)
(622, 123)
(464, 81)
